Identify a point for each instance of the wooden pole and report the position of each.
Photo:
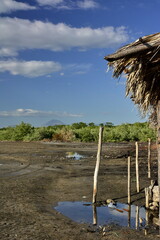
(147, 197)
(129, 179)
(137, 168)
(132, 50)
(158, 149)
(97, 165)
(149, 158)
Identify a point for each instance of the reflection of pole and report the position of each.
(137, 217)
(94, 214)
(129, 179)
(97, 165)
(137, 168)
(149, 158)
(147, 221)
(129, 215)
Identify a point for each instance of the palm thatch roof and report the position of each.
(140, 61)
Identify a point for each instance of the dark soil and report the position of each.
(35, 176)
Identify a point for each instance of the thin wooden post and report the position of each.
(147, 197)
(129, 179)
(149, 158)
(137, 168)
(158, 149)
(97, 165)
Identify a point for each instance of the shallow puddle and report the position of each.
(122, 214)
(74, 155)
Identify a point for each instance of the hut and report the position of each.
(140, 62)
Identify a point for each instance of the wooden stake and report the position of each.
(97, 165)
(147, 197)
(129, 179)
(137, 168)
(149, 158)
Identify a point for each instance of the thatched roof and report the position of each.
(140, 61)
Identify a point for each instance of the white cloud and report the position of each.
(7, 6)
(65, 4)
(87, 4)
(36, 113)
(78, 68)
(19, 34)
(52, 3)
(29, 68)
(5, 52)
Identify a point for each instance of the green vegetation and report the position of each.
(81, 132)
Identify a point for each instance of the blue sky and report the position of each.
(52, 59)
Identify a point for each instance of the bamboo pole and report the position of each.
(149, 158)
(97, 165)
(129, 179)
(137, 168)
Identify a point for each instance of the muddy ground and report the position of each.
(35, 176)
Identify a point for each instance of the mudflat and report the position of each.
(36, 176)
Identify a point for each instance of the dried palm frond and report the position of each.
(140, 61)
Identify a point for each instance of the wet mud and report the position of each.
(35, 177)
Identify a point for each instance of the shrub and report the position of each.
(78, 125)
(22, 130)
(64, 135)
(84, 135)
(40, 134)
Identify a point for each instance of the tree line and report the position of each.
(80, 132)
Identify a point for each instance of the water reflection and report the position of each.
(123, 215)
(94, 214)
(74, 155)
